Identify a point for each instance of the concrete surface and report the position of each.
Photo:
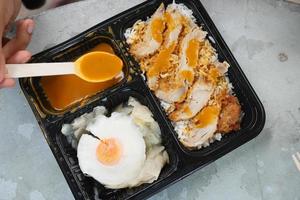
(264, 36)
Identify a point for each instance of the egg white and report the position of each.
(133, 156)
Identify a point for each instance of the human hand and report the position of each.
(13, 51)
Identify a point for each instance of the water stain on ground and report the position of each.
(26, 130)
(251, 47)
(247, 183)
(8, 189)
(161, 196)
(36, 195)
(295, 120)
(265, 137)
(190, 187)
(287, 4)
(282, 57)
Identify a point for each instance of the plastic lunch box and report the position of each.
(183, 162)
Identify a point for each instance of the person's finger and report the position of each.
(22, 39)
(8, 82)
(16, 8)
(2, 66)
(20, 57)
(4, 41)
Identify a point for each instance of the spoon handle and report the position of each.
(39, 69)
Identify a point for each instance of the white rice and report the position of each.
(218, 136)
(131, 33)
(181, 126)
(143, 76)
(230, 86)
(166, 106)
(128, 33)
(214, 58)
(205, 144)
(185, 11)
(212, 39)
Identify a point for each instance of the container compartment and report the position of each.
(241, 87)
(183, 161)
(71, 53)
(89, 186)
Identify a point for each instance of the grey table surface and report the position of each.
(257, 32)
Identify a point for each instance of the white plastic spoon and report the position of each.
(91, 67)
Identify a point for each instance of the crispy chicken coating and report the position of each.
(229, 119)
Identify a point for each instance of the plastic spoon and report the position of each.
(91, 67)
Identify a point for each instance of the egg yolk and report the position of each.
(206, 116)
(109, 151)
(192, 52)
(157, 28)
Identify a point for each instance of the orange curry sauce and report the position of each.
(63, 91)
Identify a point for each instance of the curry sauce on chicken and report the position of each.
(183, 71)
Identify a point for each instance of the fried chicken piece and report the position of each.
(161, 63)
(153, 36)
(202, 127)
(229, 119)
(189, 54)
(170, 90)
(197, 97)
(184, 76)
